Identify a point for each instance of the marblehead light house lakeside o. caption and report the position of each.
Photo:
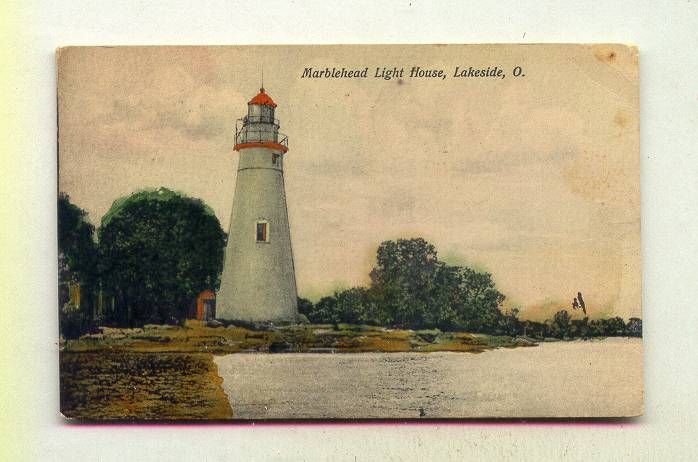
(412, 72)
(258, 282)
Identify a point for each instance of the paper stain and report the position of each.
(605, 56)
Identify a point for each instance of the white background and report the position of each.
(666, 35)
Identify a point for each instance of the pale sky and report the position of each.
(534, 179)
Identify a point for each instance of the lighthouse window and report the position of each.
(262, 231)
(274, 159)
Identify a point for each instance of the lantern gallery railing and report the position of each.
(247, 135)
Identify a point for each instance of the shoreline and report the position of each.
(198, 337)
(162, 372)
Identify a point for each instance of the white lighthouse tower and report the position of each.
(258, 281)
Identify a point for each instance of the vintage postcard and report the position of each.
(349, 232)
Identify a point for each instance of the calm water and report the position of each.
(593, 378)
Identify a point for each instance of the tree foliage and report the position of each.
(77, 261)
(158, 249)
(634, 327)
(562, 326)
(411, 288)
(76, 245)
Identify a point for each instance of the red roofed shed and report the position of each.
(206, 305)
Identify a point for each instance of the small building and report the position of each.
(206, 305)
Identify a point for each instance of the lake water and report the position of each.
(579, 378)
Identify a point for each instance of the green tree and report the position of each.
(76, 246)
(561, 323)
(158, 250)
(354, 306)
(410, 287)
(510, 323)
(305, 307)
(579, 328)
(634, 327)
(479, 301)
(403, 279)
(77, 257)
(613, 326)
(325, 311)
(445, 303)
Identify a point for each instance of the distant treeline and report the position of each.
(411, 288)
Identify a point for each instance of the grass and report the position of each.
(109, 385)
(198, 337)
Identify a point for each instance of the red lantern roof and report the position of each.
(262, 99)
